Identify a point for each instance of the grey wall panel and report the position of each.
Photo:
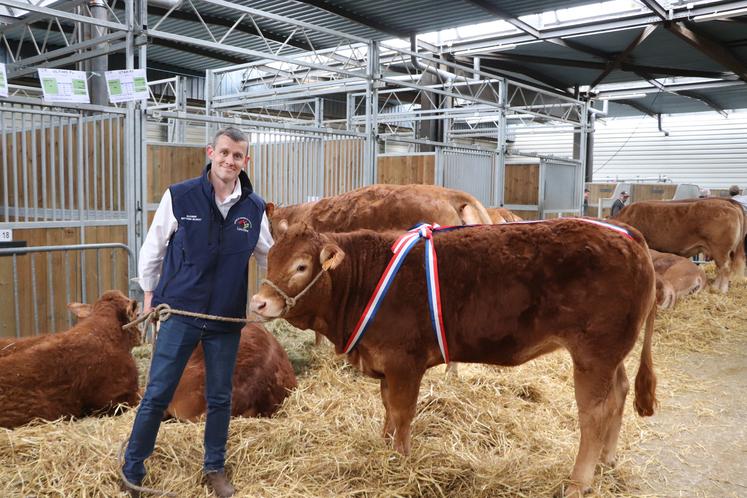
(702, 148)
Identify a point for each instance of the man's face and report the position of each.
(227, 158)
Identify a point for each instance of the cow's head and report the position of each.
(125, 308)
(298, 256)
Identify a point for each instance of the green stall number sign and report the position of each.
(115, 87)
(50, 86)
(79, 87)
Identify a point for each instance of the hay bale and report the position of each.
(494, 432)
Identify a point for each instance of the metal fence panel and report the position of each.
(469, 170)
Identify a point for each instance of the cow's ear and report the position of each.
(282, 227)
(270, 209)
(81, 310)
(331, 256)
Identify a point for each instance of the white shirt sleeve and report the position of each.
(154, 248)
(263, 243)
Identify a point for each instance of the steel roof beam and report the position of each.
(619, 59)
(351, 16)
(705, 99)
(486, 6)
(541, 77)
(244, 27)
(233, 59)
(709, 47)
(625, 66)
(654, 7)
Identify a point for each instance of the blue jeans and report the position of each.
(176, 341)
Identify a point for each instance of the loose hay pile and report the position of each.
(492, 432)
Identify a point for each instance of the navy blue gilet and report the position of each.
(206, 262)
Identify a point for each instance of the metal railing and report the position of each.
(34, 293)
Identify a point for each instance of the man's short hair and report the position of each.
(625, 194)
(587, 190)
(233, 133)
(734, 190)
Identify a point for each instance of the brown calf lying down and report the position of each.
(85, 370)
(383, 207)
(510, 293)
(680, 276)
(503, 215)
(262, 379)
(712, 226)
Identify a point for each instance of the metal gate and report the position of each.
(472, 170)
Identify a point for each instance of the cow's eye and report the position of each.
(301, 268)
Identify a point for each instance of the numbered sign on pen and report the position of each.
(127, 85)
(3, 81)
(62, 85)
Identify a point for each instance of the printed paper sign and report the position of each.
(6, 235)
(127, 85)
(62, 85)
(3, 81)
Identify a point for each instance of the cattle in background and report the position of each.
(262, 379)
(384, 207)
(86, 370)
(536, 287)
(712, 226)
(680, 277)
(503, 215)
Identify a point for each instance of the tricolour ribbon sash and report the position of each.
(401, 248)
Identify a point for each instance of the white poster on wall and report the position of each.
(3, 81)
(127, 85)
(63, 85)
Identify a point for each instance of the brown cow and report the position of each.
(510, 293)
(384, 207)
(262, 379)
(10, 345)
(680, 274)
(712, 226)
(503, 215)
(85, 370)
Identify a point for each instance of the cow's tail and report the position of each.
(645, 380)
(739, 259)
(473, 212)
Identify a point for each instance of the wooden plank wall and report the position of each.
(407, 169)
(521, 186)
(651, 191)
(60, 272)
(30, 168)
(169, 164)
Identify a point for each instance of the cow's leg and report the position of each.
(452, 369)
(723, 269)
(403, 384)
(593, 388)
(616, 399)
(388, 431)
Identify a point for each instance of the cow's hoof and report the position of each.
(608, 462)
(571, 491)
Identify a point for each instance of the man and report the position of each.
(619, 204)
(735, 193)
(195, 258)
(587, 192)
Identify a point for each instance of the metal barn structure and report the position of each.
(326, 95)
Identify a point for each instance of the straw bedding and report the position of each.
(492, 432)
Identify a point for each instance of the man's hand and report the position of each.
(147, 300)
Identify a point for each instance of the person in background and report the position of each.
(195, 258)
(586, 201)
(619, 203)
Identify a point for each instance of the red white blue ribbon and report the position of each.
(401, 248)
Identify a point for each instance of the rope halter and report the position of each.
(291, 301)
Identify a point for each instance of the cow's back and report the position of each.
(387, 207)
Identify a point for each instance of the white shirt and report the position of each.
(165, 223)
(742, 199)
